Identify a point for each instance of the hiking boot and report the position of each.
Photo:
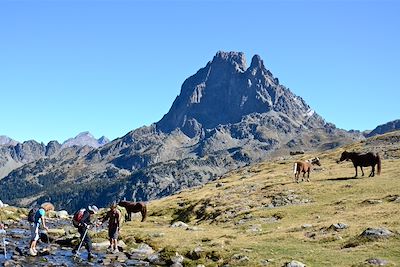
(115, 251)
(35, 250)
(32, 252)
(74, 251)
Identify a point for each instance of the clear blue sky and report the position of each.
(112, 66)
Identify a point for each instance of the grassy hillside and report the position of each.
(257, 216)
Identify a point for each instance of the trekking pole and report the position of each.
(83, 238)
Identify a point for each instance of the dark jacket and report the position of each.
(86, 219)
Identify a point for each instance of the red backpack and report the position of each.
(76, 220)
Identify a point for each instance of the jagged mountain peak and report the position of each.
(225, 91)
(85, 139)
(235, 59)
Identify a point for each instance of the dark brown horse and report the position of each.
(134, 207)
(363, 160)
(304, 167)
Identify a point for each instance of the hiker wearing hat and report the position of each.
(113, 216)
(82, 220)
(37, 218)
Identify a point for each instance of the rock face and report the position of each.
(7, 141)
(226, 90)
(14, 156)
(385, 128)
(86, 139)
(226, 116)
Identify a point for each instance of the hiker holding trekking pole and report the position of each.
(82, 221)
(36, 217)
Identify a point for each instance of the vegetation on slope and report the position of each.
(258, 216)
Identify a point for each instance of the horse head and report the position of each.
(316, 161)
(344, 156)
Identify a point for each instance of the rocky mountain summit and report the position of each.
(226, 90)
(86, 139)
(7, 141)
(227, 115)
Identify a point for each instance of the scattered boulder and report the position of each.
(372, 201)
(338, 226)
(62, 214)
(1, 204)
(142, 252)
(180, 224)
(294, 263)
(306, 225)
(377, 262)
(376, 233)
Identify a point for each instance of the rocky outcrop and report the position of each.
(7, 141)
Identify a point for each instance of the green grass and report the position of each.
(224, 214)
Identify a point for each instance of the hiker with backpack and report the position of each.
(113, 216)
(82, 221)
(36, 217)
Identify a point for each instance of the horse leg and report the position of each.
(362, 171)
(372, 174)
(308, 175)
(356, 171)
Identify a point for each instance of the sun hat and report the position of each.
(93, 209)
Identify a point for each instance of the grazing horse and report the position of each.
(304, 167)
(134, 207)
(363, 160)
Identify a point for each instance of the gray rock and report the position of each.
(338, 226)
(377, 262)
(179, 224)
(62, 214)
(376, 233)
(294, 263)
(306, 225)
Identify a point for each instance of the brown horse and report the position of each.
(363, 160)
(304, 167)
(134, 207)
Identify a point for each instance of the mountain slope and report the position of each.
(258, 216)
(225, 117)
(226, 90)
(385, 128)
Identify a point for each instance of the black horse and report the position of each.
(363, 160)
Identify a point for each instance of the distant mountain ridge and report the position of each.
(86, 139)
(14, 154)
(385, 128)
(226, 116)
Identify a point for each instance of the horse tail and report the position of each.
(144, 212)
(379, 163)
(295, 167)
